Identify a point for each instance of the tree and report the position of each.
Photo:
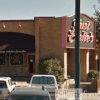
(97, 18)
(52, 66)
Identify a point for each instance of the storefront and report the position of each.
(87, 40)
(17, 49)
(23, 43)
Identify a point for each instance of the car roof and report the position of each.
(30, 91)
(44, 75)
(4, 78)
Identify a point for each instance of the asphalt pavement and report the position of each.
(88, 96)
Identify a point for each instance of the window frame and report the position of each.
(4, 82)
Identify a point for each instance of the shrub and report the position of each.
(94, 74)
(52, 66)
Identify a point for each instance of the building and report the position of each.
(23, 43)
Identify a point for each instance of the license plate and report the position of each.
(0, 92)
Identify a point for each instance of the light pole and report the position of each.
(77, 49)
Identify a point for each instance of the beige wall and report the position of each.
(50, 38)
(84, 63)
(71, 62)
(93, 61)
(27, 27)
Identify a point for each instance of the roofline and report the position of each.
(45, 17)
(26, 19)
(43, 75)
(14, 20)
(5, 78)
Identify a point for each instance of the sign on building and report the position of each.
(87, 35)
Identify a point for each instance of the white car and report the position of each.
(6, 87)
(48, 81)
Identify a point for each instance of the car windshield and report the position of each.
(29, 98)
(43, 80)
(3, 84)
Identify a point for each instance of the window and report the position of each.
(2, 58)
(9, 82)
(16, 59)
(3, 84)
(43, 80)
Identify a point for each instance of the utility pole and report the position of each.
(77, 48)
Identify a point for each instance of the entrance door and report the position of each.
(31, 63)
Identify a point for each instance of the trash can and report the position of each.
(98, 85)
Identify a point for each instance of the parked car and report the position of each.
(6, 86)
(29, 94)
(48, 81)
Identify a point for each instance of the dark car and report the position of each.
(29, 94)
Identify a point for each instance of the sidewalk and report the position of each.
(95, 96)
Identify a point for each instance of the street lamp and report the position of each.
(77, 49)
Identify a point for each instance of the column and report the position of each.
(96, 58)
(84, 64)
(65, 63)
(36, 43)
(93, 60)
(87, 63)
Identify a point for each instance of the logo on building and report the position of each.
(84, 35)
(87, 35)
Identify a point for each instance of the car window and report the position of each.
(3, 84)
(43, 80)
(36, 80)
(50, 80)
(9, 82)
(29, 98)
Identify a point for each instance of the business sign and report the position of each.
(87, 35)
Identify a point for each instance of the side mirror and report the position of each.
(14, 83)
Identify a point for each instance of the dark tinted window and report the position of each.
(50, 80)
(2, 58)
(36, 80)
(29, 98)
(43, 80)
(3, 84)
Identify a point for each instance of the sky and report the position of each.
(28, 9)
